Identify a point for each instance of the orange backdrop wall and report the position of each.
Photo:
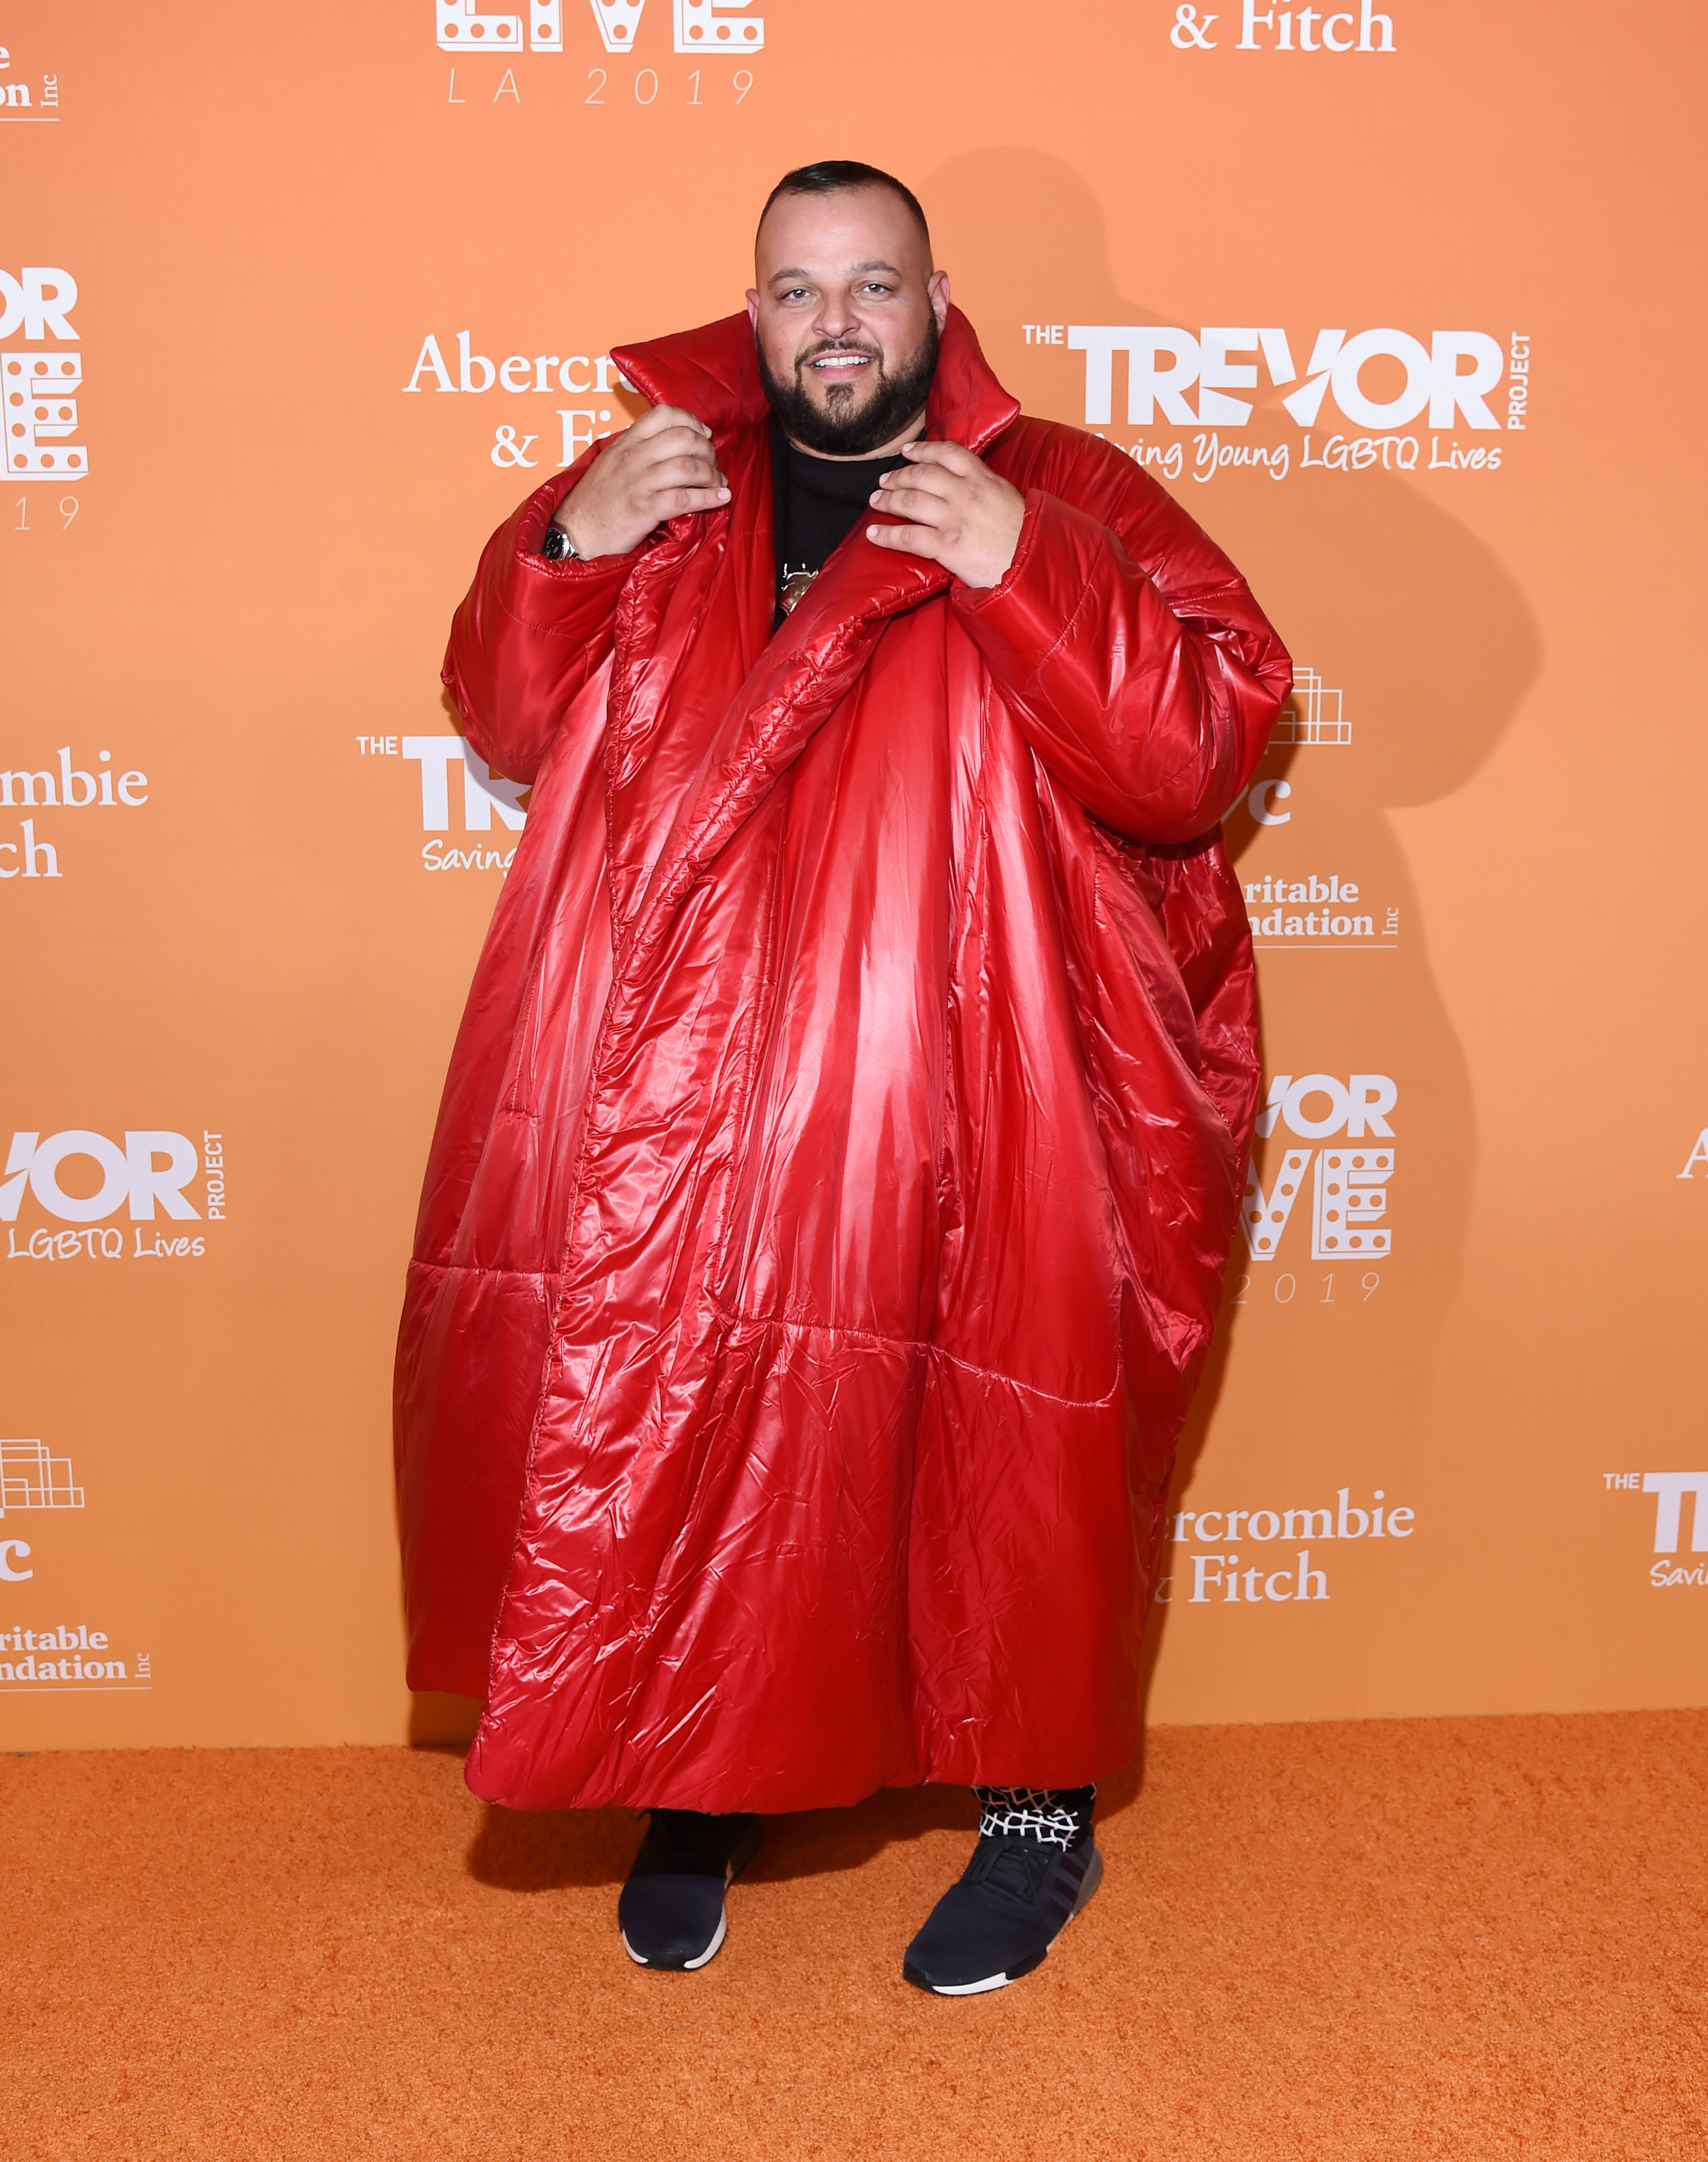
(295, 302)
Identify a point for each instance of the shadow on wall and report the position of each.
(1433, 646)
(439, 1721)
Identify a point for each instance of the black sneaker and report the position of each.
(670, 1910)
(999, 1923)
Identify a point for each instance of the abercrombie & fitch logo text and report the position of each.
(1237, 1581)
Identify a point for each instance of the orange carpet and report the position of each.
(1473, 1938)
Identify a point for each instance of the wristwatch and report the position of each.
(557, 544)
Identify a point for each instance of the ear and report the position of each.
(939, 291)
(753, 307)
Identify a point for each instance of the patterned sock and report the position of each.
(1054, 1816)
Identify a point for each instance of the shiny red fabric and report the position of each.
(840, 1153)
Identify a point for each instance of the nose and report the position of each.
(836, 319)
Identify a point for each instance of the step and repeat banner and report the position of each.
(296, 301)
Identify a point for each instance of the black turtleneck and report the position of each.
(817, 503)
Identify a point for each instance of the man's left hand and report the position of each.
(959, 514)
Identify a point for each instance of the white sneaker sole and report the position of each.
(977, 1988)
(688, 1966)
(1094, 1878)
(691, 1967)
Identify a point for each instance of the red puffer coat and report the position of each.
(839, 1156)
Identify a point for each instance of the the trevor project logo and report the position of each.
(1671, 1491)
(1163, 362)
(79, 1177)
(481, 796)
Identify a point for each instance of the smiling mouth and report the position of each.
(842, 363)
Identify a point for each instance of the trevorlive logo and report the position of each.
(1350, 1202)
(700, 26)
(40, 300)
(36, 388)
(1377, 378)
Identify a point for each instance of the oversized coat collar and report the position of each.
(791, 681)
(714, 372)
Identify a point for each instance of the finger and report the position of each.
(907, 540)
(954, 457)
(674, 472)
(934, 480)
(919, 506)
(932, 484)
(674, 443)
(696, 470)
(673, 502)
(654, 420)
(658, 417)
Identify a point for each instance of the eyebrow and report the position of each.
(855, 270)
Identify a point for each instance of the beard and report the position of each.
(848, 428)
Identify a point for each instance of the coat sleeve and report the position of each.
(1141, 669)
(529, 633)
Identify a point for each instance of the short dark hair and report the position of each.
(832, 177)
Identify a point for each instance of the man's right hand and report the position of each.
(659, 469)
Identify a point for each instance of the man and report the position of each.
(839, 1156)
